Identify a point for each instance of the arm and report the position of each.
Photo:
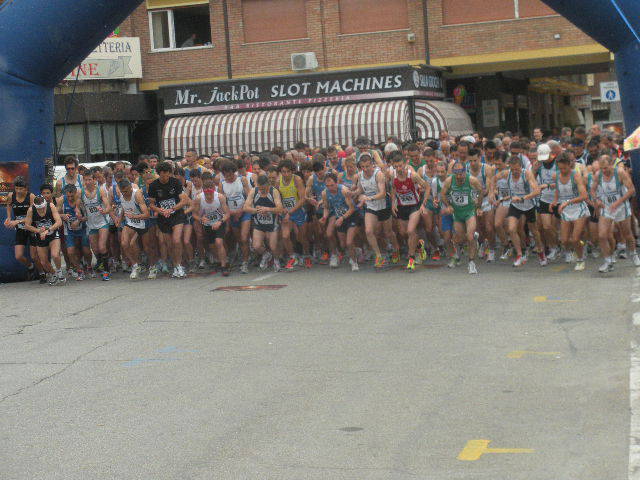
(195, 210)
(105, 198)
(477, 186)
(378, 159)
(301, 194)
(444, 197)
(535, 189)
(57, 220)
(309, 192)
(28, 221)
(277, 199)
(382, 187)
(8, 222)
(326, 209)
(144, 211)
(625, 179)
(248, 204)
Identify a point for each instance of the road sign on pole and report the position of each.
(609, 92)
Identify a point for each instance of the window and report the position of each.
(534, 8)
(104, 142)
(360, 16)
(470, 11)
(272, 20)
(185, 27)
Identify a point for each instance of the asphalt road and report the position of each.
(334, 376)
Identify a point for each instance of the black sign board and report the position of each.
(304, 90)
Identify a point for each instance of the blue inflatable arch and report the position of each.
(41, 41)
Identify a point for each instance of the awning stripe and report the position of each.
(318, 126)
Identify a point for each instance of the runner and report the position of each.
(406, 204)
(292, 190)
(314, 188)
(546, 172)
(210, 209)
(168, 200)
(341, 217)
(236, 189)
(94, 202)
(71, 175)
(464, 194)
(372, 193)
(43, 221)
(75, 232)
(443, 215)
(18, 203)
(133, 215)
(523, 189)
(484, 173)
(264, 204)
(428, 172)
(570, 197)
(501, 201)
(613, 188)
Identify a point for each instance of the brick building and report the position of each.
(509, 63)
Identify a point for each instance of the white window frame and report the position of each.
(172, 30)
(172, 33)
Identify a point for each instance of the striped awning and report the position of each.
(432, 117)
(317, 126)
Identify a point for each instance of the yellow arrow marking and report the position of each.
(522, 353)
(474, 449)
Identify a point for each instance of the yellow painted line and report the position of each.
(522, 353)
(474, 449)
(559, 268)
(543, 298)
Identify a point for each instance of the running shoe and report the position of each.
(307, 262)
(106, 277)
(553, 253)
(164, 268)
(472, 268)
(380, 262)
(622, 253)
(202, 264)
(276, 265)
(73, 273)
(175, 273)
(264, 263)
(507, 252)
(80, 276)
(519, 262)
(491, 256)
(395, 257)
(333, 262)
(226, 271)
(324, 259)
(411, 266)
(135, 272)
(543, 260)
(182, 271)
(153, 272)
(436, 255)
(568, 257)
(244, 268)
(453, 262)
(290, 264)
(354, 265)
(62, 279)
(43, 279)
(636, 260)
(579, 266)
(422, 251)
(52, 279)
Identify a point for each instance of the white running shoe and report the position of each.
(604, 268)
(553, 253)
(333, 261)
(202, 264)
(636, 260)
(354, 265)
(135, 272)
(472, 267)
(568, 257)
(176, 273)
(579, 266)
(153, 272)
(506, 253)
(519, 261)
(244, 268)
(264, 263)
(276, 265)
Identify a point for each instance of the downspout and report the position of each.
(227, 41)
(425, 22)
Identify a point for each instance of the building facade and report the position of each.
(510, 64)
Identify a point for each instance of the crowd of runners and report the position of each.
(505, 199)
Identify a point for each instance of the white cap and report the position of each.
(390, 147)
(469, 138)
(544, 152)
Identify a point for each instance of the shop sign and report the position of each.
(115, 58)
(490, 113)
(580, 101)
(303, 90)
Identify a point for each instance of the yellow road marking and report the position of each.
(522, 353)
(474, 449)
(543, 298)
(559, 268)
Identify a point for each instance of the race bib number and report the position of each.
(612, 199)
(340, 211)
(460, 199)
(264, 218)
(213, 218)
(20, 226)
(289, 202)
(167, 204)
(93, 209)
(44, 224)
(407, 198)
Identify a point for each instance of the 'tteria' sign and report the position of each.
(301, 90)
(114, 58)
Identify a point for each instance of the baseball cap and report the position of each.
(39, 202)
(544, 151)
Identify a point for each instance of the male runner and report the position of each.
(236, 189)
(133, 215)
(292, 190)
(43, 221)
(18, 203)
